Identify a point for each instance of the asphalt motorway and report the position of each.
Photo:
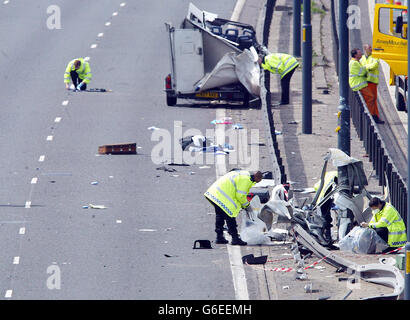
(49, 143)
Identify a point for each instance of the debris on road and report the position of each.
(237, 126)
(285, 287)
(94, 183)
(226, 120)
(197, 140)
(308, 288)
(347, 295)
(251, 259)
(93, 206)
(85, 207)
(294, 122)
(125, 148)
(278, 133)
(153, 128)
(164, 168)
(203, 244)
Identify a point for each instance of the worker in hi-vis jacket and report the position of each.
(80, 73)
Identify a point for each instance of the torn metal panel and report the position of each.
(381, 274)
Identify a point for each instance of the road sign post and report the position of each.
(307, 69)
(296, 27)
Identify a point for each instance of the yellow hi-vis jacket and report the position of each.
(230, 192)
(372, 67)
(280, 63)
(84, 72)
(389, 218)
(329, 179)
(357, 76)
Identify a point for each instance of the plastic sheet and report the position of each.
(253, 230)
(362, 240)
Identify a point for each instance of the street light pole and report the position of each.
(344, 115)
(296, 28)
(307, 69)
(407, 277)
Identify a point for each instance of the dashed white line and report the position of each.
(22, 230)
(34, 180)
(58, 119)
(108, 23)
(119, 221)
(8, 294)
(6, 2)
(16, 260)
(28, 205)
(65, 102)
(49, 138)
(87, 59)
(122, 4)
(101, 34)
(42, 158)
(93, 46)
(115, 13)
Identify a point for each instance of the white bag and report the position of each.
(253, 230)
(363, 240)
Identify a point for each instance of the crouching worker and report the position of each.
(387, 223)
(80, 73)
(228, 195)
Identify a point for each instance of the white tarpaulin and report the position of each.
(231, 69)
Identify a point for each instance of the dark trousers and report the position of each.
(384, 234)
(220, 218)
(76, 80)
(285, 87)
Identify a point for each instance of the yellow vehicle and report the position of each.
(390, 44)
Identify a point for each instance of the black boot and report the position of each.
(220, 239)
(236, 241)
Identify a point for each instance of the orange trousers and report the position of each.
(369, 94)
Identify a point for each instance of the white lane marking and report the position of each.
(16, 260)
(108, 23)
(42, 158)
(49, 138)
(28, 205)
(234, 252)
(58, 119)
(22, 230)
(34, 180)
(101, 34)
(8, 294)
(6, 2)
(119, 221)
(115, 13)
(93, 46)
(87, 59)
(65, 102)
(122, 4)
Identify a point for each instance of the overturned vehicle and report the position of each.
(212, 59)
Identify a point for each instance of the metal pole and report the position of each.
(407, 277)
(344, 118)
(296, 28)
(307, 69)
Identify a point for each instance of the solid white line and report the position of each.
(42, 158)
(8, 294)
(34, 180)
(49, 138)
(58, 119)
(93, 46)
(108, 23)
(65, 102)
(100, 34)
(28, 205)
(234, 252)
(22, 230)
(16, 260)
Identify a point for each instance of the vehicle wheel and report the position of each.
(246, 97)
(400, 102)
(171, 100)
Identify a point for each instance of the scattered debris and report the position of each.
(126, 148)
(178, 164)
(94, 183)
(203, 244)
(85, 207)
(226, 120)
(192, 173)
(175, 175)
(294, 122)
(153, 128)
(324, 298)
(278, 133)
(308, 288)
(168, 229)
(251, 259)
(320, 267)
(93, 206)
(237, 126)
(168, 255)
(285, 287)
(164, 168)
(347, 295)
(197, 140)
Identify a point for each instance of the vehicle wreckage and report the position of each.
(311, 229)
